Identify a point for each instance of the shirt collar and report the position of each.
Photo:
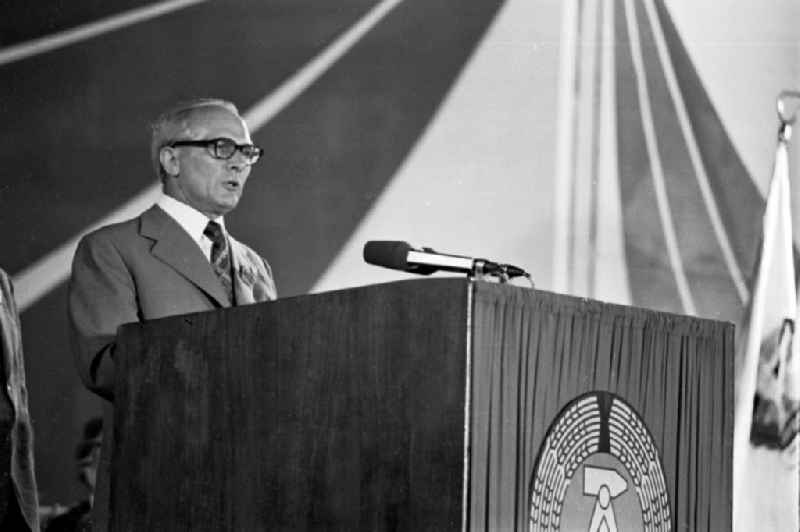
(193, 221)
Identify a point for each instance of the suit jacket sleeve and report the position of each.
(102, 297)
(270, 291)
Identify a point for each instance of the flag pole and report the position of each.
(766, 486)
(786, 117)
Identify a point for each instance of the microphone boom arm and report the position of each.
(425, 261)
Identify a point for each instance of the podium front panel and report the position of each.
(341, 411)
(584, 411)
(436, 404)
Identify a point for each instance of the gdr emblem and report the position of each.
(599, 471)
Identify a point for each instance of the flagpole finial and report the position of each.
(787, 117)
(784, 132)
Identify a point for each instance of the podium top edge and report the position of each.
(480, 290)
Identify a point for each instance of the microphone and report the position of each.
(399, 255)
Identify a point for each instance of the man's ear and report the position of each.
(169, 161)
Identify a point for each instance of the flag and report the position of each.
(765, 455)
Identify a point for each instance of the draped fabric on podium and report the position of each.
(538, 351)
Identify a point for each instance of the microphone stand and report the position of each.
(482, 269)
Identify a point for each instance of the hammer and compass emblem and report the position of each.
(598, 470)
(606, 485)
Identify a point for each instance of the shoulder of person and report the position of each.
(111, 231)
(245, 250)
(6, 290)
(252, 259)
(121, 238)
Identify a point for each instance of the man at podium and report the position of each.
(177, 257)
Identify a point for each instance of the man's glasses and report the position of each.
(224, 148)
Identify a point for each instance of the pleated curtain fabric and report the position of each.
(534, 353)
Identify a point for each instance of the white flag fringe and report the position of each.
(765, 458)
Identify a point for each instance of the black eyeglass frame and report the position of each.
(215, 147)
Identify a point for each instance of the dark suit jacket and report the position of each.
(20, 464)
(142, 269)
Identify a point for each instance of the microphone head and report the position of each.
(387, 253)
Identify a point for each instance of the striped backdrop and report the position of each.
(576, 139)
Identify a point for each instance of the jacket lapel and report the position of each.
(175, 247)
(244, 274)
(252, 282)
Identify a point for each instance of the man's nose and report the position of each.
(238, 163)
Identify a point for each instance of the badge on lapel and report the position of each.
(247, 274)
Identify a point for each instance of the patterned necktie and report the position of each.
(220, 256)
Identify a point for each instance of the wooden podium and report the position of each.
(439, 404)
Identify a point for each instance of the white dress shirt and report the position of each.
(193, 221)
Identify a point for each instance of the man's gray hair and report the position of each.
(174, 124)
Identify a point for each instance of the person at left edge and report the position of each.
(18, 498)
(161, 263)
